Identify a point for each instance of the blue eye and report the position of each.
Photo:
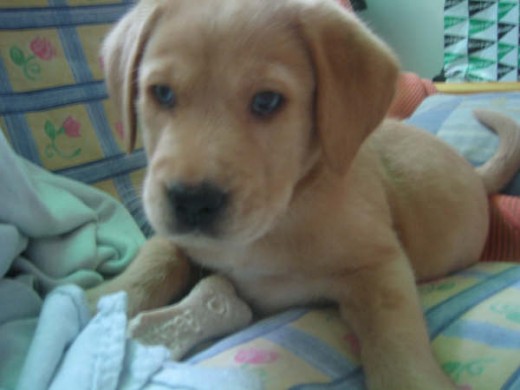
(164, 95)
(266, 103)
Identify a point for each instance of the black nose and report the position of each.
(197, 207)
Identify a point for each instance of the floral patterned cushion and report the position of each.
(473, 320)
(53, 103)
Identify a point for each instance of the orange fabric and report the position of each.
(411, 91)
(503, 242)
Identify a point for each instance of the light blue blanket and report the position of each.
(55, 235)
(72, 351)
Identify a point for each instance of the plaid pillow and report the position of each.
(53, 103)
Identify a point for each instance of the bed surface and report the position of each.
(53, 103)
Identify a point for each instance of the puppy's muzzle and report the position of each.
(197, 208)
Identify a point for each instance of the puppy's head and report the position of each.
(237, 101)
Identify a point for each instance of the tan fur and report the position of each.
(497, 172)
(323, 206)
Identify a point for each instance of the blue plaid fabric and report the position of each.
(54, 107)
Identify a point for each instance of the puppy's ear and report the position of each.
(122, 52)
(355, 76)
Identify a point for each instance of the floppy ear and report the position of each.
(355, 76)
(122, 52)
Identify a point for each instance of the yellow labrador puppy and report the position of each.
(270, 163)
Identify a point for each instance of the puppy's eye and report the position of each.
(163, 95)
(266, 103)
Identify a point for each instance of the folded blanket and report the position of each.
(53, 231)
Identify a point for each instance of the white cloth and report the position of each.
(86, 354)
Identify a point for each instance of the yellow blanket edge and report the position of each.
(465, 88)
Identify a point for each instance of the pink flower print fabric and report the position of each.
(43, 49)
(256, 356)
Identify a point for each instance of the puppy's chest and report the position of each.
(274, 278)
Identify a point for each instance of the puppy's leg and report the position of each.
(381, 304)
(158, 274)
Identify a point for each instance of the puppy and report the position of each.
(270, 163)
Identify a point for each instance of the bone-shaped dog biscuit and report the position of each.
(212, 309)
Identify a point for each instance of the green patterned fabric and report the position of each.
(481, 40)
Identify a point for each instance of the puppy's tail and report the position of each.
(501, 168)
